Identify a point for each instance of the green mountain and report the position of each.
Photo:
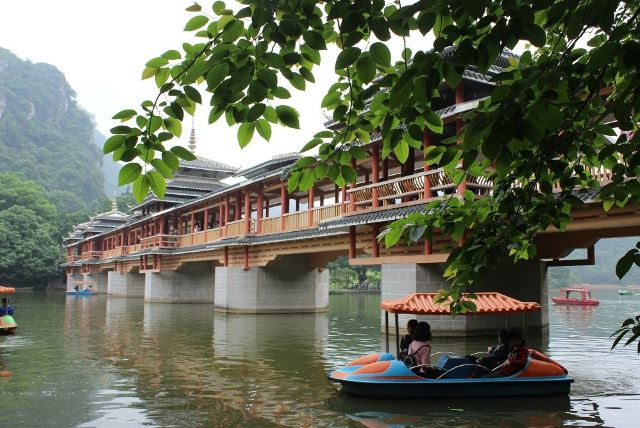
(45, 135)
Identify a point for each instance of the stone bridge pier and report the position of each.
(289, 284)
(193, 283)
(125, 284)
(99, 281)
(73, 278)
(526, 281)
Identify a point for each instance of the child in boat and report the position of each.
(6, 309)
(406, 340)
(497, 354)
(517, 358)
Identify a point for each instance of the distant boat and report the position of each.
(625, 291)
(565, 297)
(77, 291)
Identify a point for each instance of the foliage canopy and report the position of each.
(568, 104)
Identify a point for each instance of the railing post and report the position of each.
(352, 199)
(226, 214)
(259, 208)
(375, 175)
(310, 208)
(205, 222)
(192, 226)
(352, 242)
(459, 96)
(426, 142)
(343, 202)
(284, 205)
(247, 212)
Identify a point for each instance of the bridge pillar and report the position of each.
(71, 279)
(192, 284)
(99, 281)
(287, 285)
(125, 284)
(526, 281)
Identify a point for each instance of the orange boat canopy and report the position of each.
(486, 303)
(4, 289)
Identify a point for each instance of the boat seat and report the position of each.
(448, 362)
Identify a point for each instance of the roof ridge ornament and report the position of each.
(114, 202)
(192, 137)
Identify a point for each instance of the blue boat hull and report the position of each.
(80, 293)
(449, 388)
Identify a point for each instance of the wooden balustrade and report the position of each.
(235, 228)
(296, 221)
(134, 248)
(159, 241)
(72, 259)
(212, 235)
(326, 212)
(198, 238)
(91, 255)
(271, 225)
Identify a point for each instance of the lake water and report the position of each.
(115, 362)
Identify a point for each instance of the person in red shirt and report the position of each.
(517, 358)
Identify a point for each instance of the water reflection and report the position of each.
(104, 362)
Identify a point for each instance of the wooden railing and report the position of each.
(91, 255)
(212, 235)
(73, 258)
(296, 221)
(235, 228)
(271, 225)
(159, 241)
(134, 248)
(115, 252)
(326, 212)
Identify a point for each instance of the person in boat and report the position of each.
(517, 358)
(419, 351)
(406, 340)
(6, 308)
(497, 354)
(77, 287)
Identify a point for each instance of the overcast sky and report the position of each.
(102, 46)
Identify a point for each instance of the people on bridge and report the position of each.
(517, 358)
(6, 308)
(406, 339)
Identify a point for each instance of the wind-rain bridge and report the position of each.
(253, 247)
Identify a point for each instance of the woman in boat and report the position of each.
(406, 340)
(517, 358)
(419, 351)
(497, 354)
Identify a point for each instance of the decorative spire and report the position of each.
(114, 202)
(192, 138)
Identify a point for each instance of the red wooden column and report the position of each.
(310, 207)
(205, 221)
(246, 257)
(459, 94)
(343, 202)
(352, 199)
(426, 142)
(375, 174)
(284, 204)
(267, 202)
(226, 213)
(192, 227)
(259, 208)
(226, 256)
(247, 213)
(238, 207)
(352, 242)
(385, 169)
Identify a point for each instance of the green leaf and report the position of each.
(154, 124)
(434, 121)
(311, 144)
(288, 116)
(264, 128)
(124, 114)
(171, 160)
(171, 55)
(625, 263)
(347, 57)
(157, 62)
(196, 22)
(366, 68)
(193, 94)
(245, 133)
(114, 142)
(281, 93)
(174, 126)
(380, 54)
(330, 100)
(216, 75)
(392, 237)
(402, 151)
(183, 153)
(162, 168)
(141, 188)
(157, 183)
(307, 179)
(129, 173)
(314, 39)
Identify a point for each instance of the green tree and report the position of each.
(548, 123)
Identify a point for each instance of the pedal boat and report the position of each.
(565, 297)
(87, 291)
(7, 322)
(382, 375)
